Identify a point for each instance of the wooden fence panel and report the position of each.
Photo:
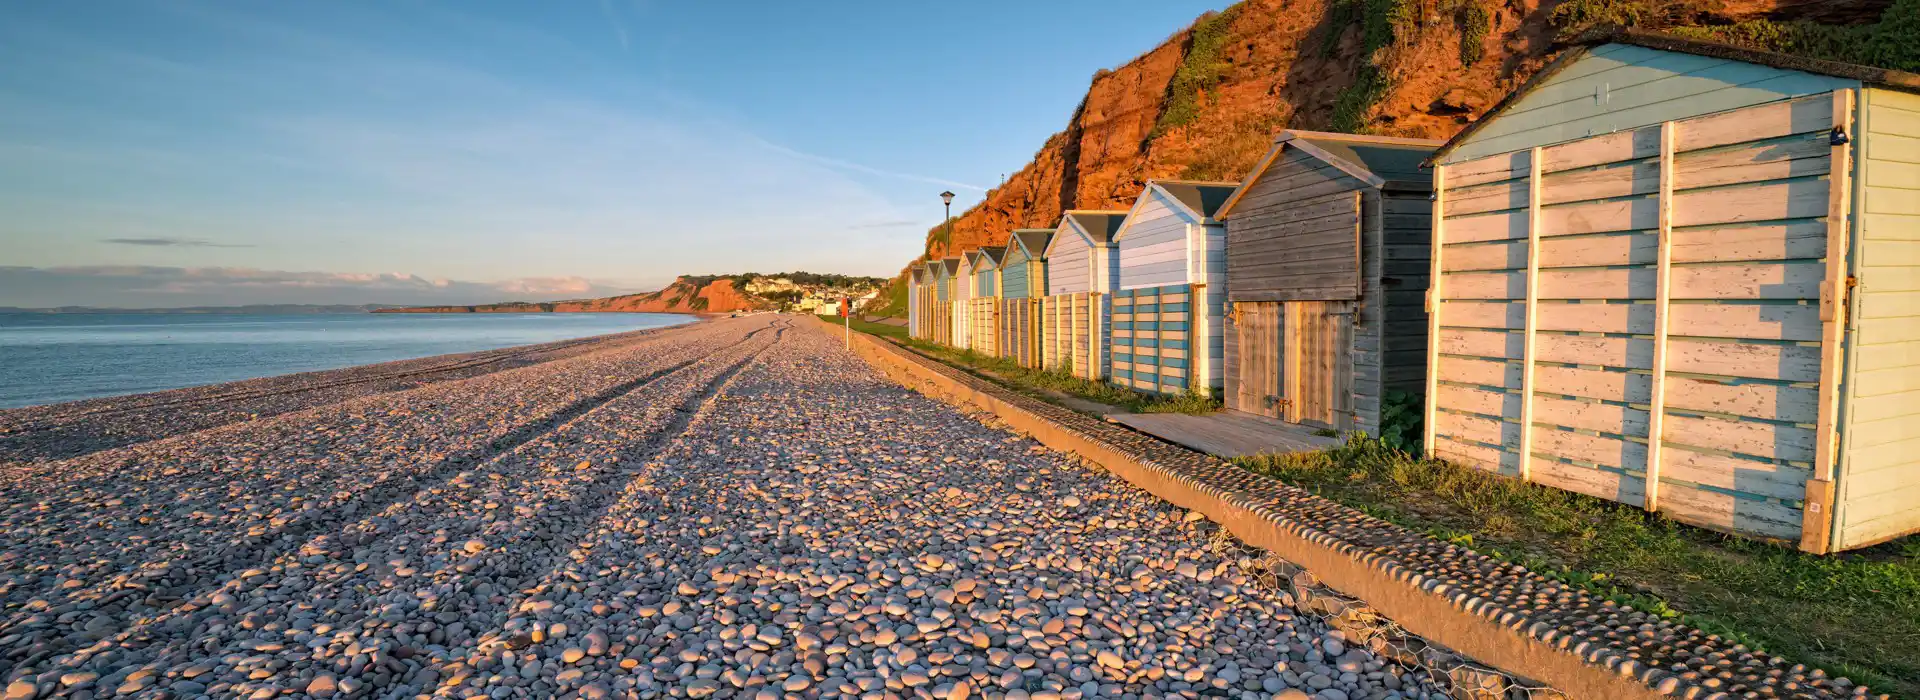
(1152, 339)
(1648, 305)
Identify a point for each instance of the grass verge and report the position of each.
(1046, 385)
(1855, 614)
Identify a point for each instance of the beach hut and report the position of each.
(1082, 274)
(982, 268)
(916, 277)
(942, 273)
(1326, 277)
(1023, 282)
(1166, 335)
(1682, 276)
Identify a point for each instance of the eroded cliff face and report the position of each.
(682, 297)
(1266, 65)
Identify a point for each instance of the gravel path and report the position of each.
(733, 509)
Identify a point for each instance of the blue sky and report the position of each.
(549, 149)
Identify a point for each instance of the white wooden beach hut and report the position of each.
(1166, 335)
(1681, 275)
(982, 270)
(1082, 274)
(942, 273)
(916, 295)
(1327, 270)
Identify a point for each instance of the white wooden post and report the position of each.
(1532, 313)
(1434, 297)
(1816, 515)
(1657, 406)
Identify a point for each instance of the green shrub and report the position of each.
(1474, 22)
(1576, 16)
(1893, 42)
(1199, 72)
(1351, 107)
(1401, 418)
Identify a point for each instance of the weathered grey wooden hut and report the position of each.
(1082, 272)
(1023, 281)
(1683, 276)
(1326, 273)
(1166, 336)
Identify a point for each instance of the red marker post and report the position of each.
(846, 312)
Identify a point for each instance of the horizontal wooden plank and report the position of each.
(1813, 113)
(1790, 280)
(1485, 227)
(1626, 387)
(1768, 241)
(1793, 363)
(1799, 322)
(1504, 463)
(1598, 483)
(1477, 429)
(1803, 156)
(1758, 400)
(1483, 314)
(1485, 372)
(1589, 415)
(1596, 449)
(1481, 401)
(1787, 199)
(1747, 437)
(1491, 344)
(1643, 142)
(1734, 474)
(1595, 318)
(1631, 353)
(1505, 166)
(1727, 513)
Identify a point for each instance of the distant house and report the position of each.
(1681, 276)
(1167, 335)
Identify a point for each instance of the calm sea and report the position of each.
(49, 358)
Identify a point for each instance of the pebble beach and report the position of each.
(734, 508)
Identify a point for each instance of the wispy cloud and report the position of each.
(858, 168)
(897, 223)
(613, 19)
(162, 242)
(130, 286)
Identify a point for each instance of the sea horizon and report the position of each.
(56, 357)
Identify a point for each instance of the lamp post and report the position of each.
(947, 199)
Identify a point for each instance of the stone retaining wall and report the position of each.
(1496, 612)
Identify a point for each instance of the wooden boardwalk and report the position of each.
(1226, 433)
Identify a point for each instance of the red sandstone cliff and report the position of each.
(1219, 89)
(684, 296)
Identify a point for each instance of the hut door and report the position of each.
(1317, 376)
(1257, 386)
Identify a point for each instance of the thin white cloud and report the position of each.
(613, 19)
(169, 242)
(147, 286)
(856, 167)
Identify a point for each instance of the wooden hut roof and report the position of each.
(951, 266)
(992, 254)
(1385, 162)
(1880, 77)
(1032, 240)
(1099, 225)
(1201, 198)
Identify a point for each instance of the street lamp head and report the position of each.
(946, 197)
